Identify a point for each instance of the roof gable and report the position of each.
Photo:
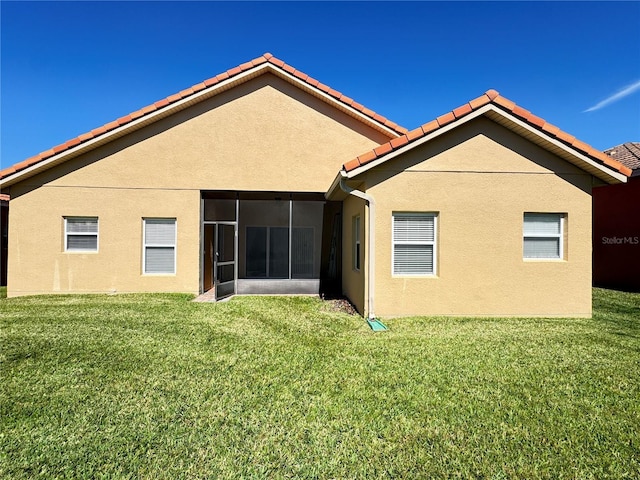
(505, 112)
(195, 94)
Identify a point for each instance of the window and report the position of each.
(355, 236)
(414, 243)
(543, 235)
(159, 256)
(80, 234)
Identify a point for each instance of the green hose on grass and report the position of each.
(376, 325)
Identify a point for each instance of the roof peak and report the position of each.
(267, 58)
(490, 97)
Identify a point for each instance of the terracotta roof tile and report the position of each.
(550, 129)
(481, 101)
(85, 136)
(345, 99)
(161, 103)
(383, 149)
(301, 76)
(493, 97)
(4, 198)
(136, 114)
(520, 112)
(367, 157)
(261, 60)
(399, 141)
(352, 164)
(276, 61)
(266, 58)
(430, 127)
(198, 86)
(446, 118)
(504, 102)
(414, 134)
(462, 111)
(565, 137)
(112, 125)
(73, 142)
(535, 120)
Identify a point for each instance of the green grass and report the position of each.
(155, 386)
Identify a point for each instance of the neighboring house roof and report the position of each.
(183, 99)
(628, 154)
(4, 198)
(510, 115)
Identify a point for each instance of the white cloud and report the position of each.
(628, 90)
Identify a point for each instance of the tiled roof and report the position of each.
(4, 198)
(494, 98)
(628, 154)
(160, 104)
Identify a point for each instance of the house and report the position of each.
(616, 225)
(264, 180)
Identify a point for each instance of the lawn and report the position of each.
(156, 386)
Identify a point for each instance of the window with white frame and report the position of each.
(414, 243)
(80, 234)
(355, 237)
(159, 255)
(543, 236)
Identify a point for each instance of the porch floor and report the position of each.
(208, 296)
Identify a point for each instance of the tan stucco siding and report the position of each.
(353, 281)
(265, 135)
(38, 263)
(262, 135)
(480, 181)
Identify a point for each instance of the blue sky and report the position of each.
(68, 67)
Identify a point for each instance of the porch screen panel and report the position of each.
(256, 252)
(278, 252)
(306, 239)
(264, 238)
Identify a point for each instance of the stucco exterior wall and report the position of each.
(263, 135)
(38, 263)
(353, 281)
(480, 179)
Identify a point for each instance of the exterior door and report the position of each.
(224, 259)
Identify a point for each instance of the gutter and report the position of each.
(375, 324)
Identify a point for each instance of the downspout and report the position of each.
(375, 324)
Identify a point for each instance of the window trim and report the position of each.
(433, 243)
(158, 245)
(559, 236)
(356, 244)
(86, 234)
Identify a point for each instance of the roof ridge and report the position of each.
(171, 99)
(489, 97)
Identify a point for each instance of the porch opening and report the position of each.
(270, 243)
